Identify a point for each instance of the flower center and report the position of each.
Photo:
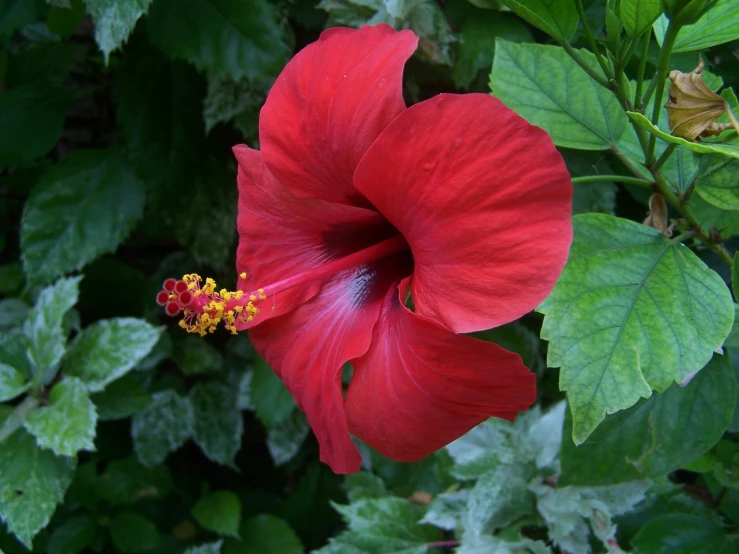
(204, 307)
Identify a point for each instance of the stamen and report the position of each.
(204, 307)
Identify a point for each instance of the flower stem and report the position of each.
(659, 80)
(733, 120)
(664, 157)
(591, 41)
(690, 218)
(613, 178)
(640, 73)
(589, 70)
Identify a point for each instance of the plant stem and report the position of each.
(733, 120)
(591, 40)
(589, 70)
(640, 72)
(659, 78)
(664, 157)
(613, 178)
(687, 214)
(441, 544)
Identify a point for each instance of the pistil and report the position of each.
(204, 307)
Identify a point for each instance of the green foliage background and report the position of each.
(120, 433)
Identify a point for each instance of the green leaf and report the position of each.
(31, 120)
(477, 48)
(159, 106)
(42, 64)
(121, 399)
(67, 423)
(265, 534)
(227, 100)
(725, 148)
(220, 512)
(539, 82)
(73, 536)
(285, 437)
(709, 216)
(206, 548)
(498, 498)
(125, 482)
(32, 483)
(44, 327)
(229, 38)
(638, 15)
(272, 401)
(132, 532)
(567, 509)
(364, 485)
(15, 14)
(684, 534)
(218, 423)
(382, 525)
(447, 509)
(718, 25)
(485, 447)
(735, 278)
(108, 349)
(649, 440)
(655, 315)
(83, 207)
(114, 21)
(12, 383)
(557, 18)
(717, 183)
(163, 427)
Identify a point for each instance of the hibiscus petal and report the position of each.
(420, 386)
(484, 201)
(329, 104)
(308, 347)
(281, 235)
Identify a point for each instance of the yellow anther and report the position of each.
(242, 274)
(252, 297)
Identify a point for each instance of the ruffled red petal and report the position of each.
(308, 347)
(420, 386)
(281, 235)
(329, 104)
(484, 201)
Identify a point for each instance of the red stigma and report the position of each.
(172, 309)
(169, 285)
(185, 298)
(162, 297)
(180, 287)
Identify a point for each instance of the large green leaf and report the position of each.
(108, 349)
(125, 482)
(544, 85)
(84, 207)
(67, 423)
(718, 25)
(44, 326)
(387, 524)
(685, 534)
(218, 423)
(726, 148)
(31, 119)
(649, 440)
(220, 512)
(265, 534)
(32, 482)
(114, 20)
(631, 312)
(162, 427)
(229, 38)
(72, 536)
(121, 399)
(638, 15)
(557, 18)
(717, 182)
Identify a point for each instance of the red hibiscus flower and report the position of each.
(353, 205)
